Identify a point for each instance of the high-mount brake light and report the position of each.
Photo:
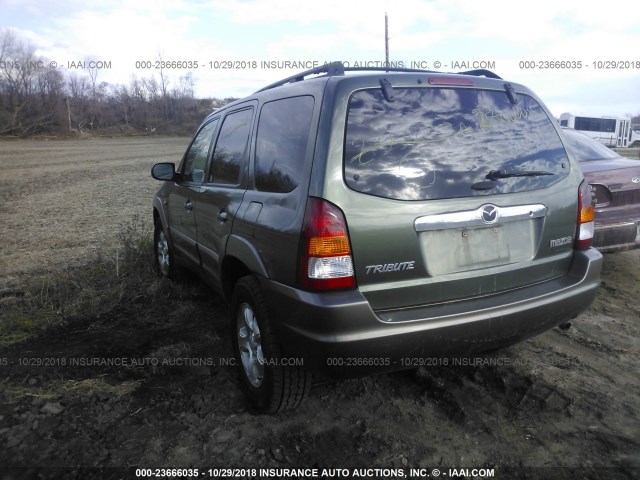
(325, 251)
(451, 81)
(586, 215)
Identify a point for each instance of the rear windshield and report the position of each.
(433, 143)
(585, 148)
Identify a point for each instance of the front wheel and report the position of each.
(272, 382)
(165, 264)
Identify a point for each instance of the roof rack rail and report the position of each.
(477, 73)
(333, 68)
(337, 68)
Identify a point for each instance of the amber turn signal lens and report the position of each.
(329, 246)
(587, 214)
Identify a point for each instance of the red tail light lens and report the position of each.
(586, 216)
(325, 256)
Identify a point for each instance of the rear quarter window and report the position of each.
(435, 143)
(283, 133)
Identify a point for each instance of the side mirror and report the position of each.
(164, 171)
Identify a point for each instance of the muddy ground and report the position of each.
(113, 370)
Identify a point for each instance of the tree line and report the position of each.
(37, 98)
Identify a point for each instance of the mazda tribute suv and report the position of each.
(360, 221)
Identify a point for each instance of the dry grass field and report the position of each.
(104, 368)
(63, 201)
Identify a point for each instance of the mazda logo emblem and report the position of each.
(636, 180)
(489, 214)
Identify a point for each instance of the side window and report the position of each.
(283, 133)
(196, 158)
(231, 148)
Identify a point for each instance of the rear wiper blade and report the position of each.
(497, 174)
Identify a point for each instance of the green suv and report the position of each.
(363, 221)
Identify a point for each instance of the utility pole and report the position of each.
(66, 101)
(386, 40)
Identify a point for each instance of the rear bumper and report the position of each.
(617, 236)
(339, 333)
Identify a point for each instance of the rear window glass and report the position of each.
(585, 148)
(433, 143)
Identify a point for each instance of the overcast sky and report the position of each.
(602, 34)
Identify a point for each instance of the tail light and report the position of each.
(586, 216)
(325, 251)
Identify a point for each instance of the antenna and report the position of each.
(386, 40)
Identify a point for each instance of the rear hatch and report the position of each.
(453, 192)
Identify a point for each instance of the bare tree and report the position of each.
(20, 71)
(36, 97)
(92, 70)
(164, 87)
(78, 100)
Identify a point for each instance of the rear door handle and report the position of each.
(188, 205)
(223, 216)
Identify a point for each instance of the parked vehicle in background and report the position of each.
(367, 221)
(610, 131)
(615, 181)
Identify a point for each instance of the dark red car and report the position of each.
(615, 181)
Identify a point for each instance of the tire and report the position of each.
(164, 259)
(270, 385)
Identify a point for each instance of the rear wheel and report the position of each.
(271, 382)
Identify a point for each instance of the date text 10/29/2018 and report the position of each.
(229, 64)
(371, 473)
